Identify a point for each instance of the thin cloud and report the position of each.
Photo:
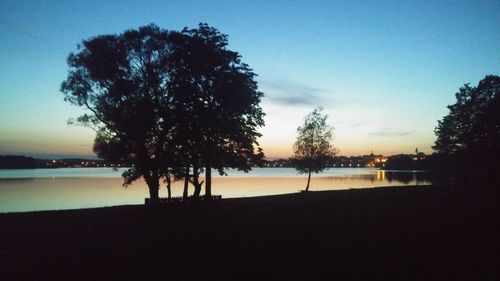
(295, 100)
(391, 133)
(290, 93)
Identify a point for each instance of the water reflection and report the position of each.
(416, 178)
(94, 188)
(381, 175)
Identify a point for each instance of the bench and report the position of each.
(180, 199)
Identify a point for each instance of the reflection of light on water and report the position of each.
(380, 175)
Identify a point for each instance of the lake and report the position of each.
(73, 188)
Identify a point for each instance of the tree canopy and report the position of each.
(314, 145)
(223, 103)
(474, 119)
(470, 133)
(167, 101)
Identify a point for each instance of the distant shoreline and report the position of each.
(403, 162)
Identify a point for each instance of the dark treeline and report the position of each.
(420, 162)
(17, 162)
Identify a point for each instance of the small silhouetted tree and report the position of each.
(313, 149)
(468, 138)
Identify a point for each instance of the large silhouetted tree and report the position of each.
(223, 111)
(469, 136)
(123, 81)
(168, 103)
(313, 148)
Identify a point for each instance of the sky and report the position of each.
(384, 71)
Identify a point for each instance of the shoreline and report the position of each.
(228, 198)
(411, 233)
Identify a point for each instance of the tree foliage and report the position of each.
(123, 81)
(474, 119)
(468, 138)
(314, 145)
(223, 109)
(166, 102)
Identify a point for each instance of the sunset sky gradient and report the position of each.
(384, 71)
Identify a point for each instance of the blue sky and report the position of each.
(384, 71)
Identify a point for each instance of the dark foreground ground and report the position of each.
(421, 233)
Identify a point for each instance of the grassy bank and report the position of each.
(410, 233)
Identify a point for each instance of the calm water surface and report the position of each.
(72, 188)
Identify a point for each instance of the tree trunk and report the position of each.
(308, 180)
(153, 195)
(186, 185)
(196, 184)
(153, 182)
(208, 182)
(169, 188)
